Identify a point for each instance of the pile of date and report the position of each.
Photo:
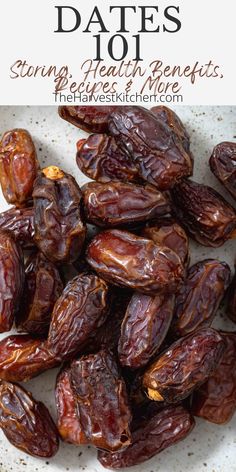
(96, 280)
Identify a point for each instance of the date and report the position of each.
(68, 420)
(27, 423)
(184, 366)
(120, 203)
(42, 288)
(144, 328)
(128, 260)
(93, 119)
(153, 146)
(101, 158)
(199, 298)
(78, 312)
(169, 117)
(215, 400)
(18, 166)
(20, 223)
(12, 279)
(231, 302)
(223, 165)
(164, 429)
(59, 229)
(205, 214)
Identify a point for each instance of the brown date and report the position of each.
(198, 299)
(19, 222)
(167, 232)
(223, 165)
(184, 366)
(59, 229)
(93, 119)
(216, 399)
(164, 429)
(231, 302)
(27, 423)
(22, 358)
(12, 279)
(144, 328)
(120, 203)
(68, 421)
(42, 288)
(127, 260)
(18, 166)
(153, 146)
(102, 159)
(169, 117)
(79, 311)
(101, 400)
(205, 214)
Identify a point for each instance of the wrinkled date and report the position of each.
(20, 222)
(216, 399)
(68, 421)
(42, 288)
(59, 229)
(102, 159)
(125, 259)
(199, 298)
(93, 119)
(204, 213)
(79, 311)
(120, 203)
(152, 144)
(164, 429)
(223, 165)
(231, 308)
(184, 366)
(102, 401)
(169, 117)
(167, 232)
(27, 423)
(12, 279)
(18, 166)
(144, 328)
(22, 358)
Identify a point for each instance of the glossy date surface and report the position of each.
(128, 260)
(19, 222)
(169, 117)
(184, 366)
(223, 165)
(93, 119)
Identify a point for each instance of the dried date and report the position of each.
(128, 260)
(169, 117)
(223, 165)
(59, 229)
(101, 400)
(120, 203)
(19, 222)
(184, 366)
(27, 423)
(205, 214)
(18, 166)
(93, 119)
(231, 302)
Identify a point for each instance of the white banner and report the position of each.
(114, 51)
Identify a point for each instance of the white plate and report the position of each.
(209, 448)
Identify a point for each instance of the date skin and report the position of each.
(199, 298)
(153, 146)
(167, 232)
(164, 429)
(19, 222)
(18, 166)
(128, 260)
(204, 213)
(27, 423)
(22, 358)
(42, 288)
(215, 400)
(12, 279)
(80, 310)
(184, 366)
(144, 328)
(231, 302)
(68, 421)
(102, 159)
(170, 118)
(120, 203)
(59, 229)
(101, 400)
(93, 119)
(223, 165)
